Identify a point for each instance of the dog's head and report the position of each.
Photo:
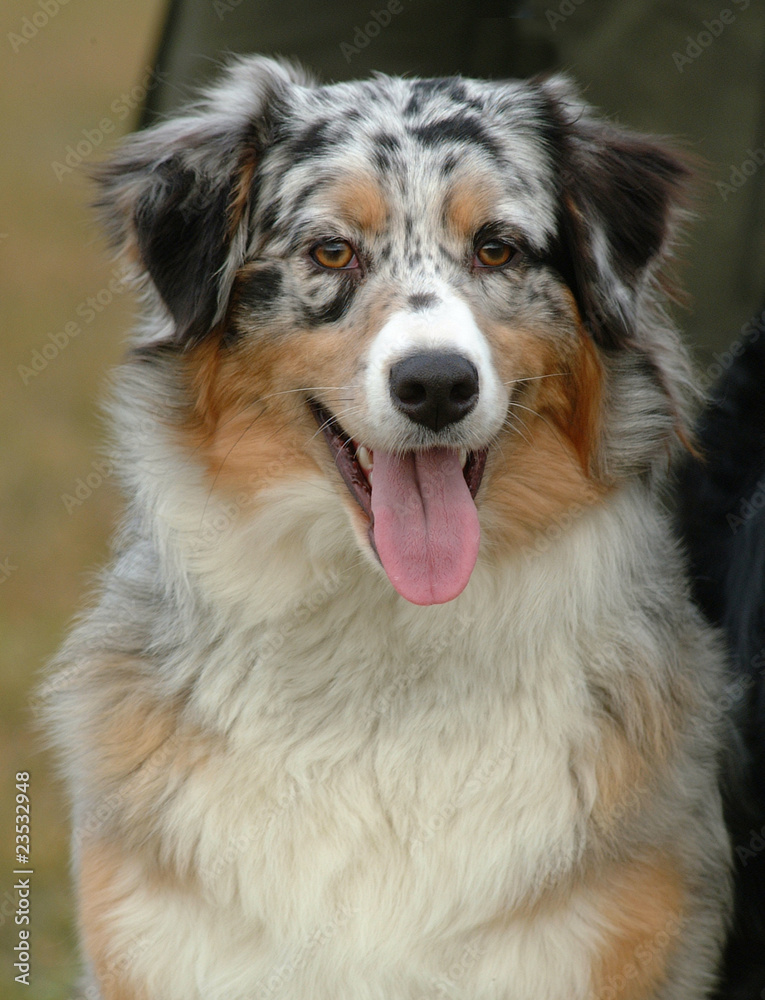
(455, 280)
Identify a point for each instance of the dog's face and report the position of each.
(414, 289)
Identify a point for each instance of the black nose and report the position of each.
(434, 388)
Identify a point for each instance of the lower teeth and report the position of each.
(364, 459)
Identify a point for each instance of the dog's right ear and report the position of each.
(176, 197)
(621, 197)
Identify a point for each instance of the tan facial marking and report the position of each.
(469, 206)
(242, 189)
(544, 469)
(250, 423)
(359, 200)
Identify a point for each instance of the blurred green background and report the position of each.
(65, 78)
(72, 79)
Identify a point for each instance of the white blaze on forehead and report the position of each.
(449, 325)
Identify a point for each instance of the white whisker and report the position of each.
(534, 378)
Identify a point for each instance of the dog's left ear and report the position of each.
(621, 196)
(176, 197)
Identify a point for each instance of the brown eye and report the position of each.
(494, 253)
(334, 254)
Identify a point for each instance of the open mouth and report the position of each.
(423, 523)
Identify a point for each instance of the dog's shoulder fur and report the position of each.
(288, 781)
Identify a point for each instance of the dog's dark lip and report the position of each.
(343, 450)
(474, 469)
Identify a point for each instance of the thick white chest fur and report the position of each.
(386, 782)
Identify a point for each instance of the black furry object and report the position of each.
(721, 514)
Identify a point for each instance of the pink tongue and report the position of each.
(425, 524)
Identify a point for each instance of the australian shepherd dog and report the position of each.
(394, 689)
